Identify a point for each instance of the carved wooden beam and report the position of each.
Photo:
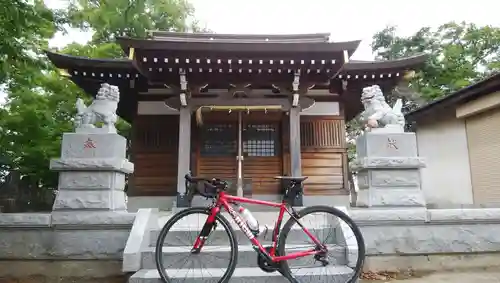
(240, 90)
(197, 102)
(286, 90)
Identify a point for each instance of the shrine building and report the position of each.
(245, 108)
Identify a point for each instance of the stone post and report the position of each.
(92, 172)
(93, 160)
(388, 169)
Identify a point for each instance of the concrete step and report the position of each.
(218, 256)
(264, 217)
(191, 225)
(220, 238)
(245, 275)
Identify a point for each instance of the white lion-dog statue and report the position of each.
(378, 114)
(102, 109)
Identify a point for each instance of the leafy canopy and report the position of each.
(40, 103)
(460, 54)
(24, 30)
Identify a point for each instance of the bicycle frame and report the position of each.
(225, 200)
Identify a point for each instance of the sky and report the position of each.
(344, 20)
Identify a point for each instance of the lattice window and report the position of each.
(219, 140)
(322, 133)
(261, 140)
(156, 139)
(155, 133)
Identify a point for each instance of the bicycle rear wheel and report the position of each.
(174, 248)
(343, 241)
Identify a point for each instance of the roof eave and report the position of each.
(194, 37)
(64, 61)
(148, 44)
(408, 62)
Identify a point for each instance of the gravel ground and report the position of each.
(449, 277)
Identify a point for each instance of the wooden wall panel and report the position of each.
(323, 155)
(325, 172)
(223, 167)
(154, 153)
(262, 170)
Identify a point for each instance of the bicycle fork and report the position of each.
(209, 226)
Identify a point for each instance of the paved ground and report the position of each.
(455, 277)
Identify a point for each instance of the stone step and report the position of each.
(183, 237)
(218, 256)
(245, 275)
(191, 225)
(264, 217)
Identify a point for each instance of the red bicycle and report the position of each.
(271, 258)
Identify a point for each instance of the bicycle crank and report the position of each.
(265, 265)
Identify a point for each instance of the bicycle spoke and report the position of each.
(330, 263)
(176, 260)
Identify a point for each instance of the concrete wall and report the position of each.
(446, 180)
(47, 247)
(108, 245)
(429, 239)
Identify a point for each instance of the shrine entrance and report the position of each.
(243, 148)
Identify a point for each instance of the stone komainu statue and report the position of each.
(378, 114)
(102, 109)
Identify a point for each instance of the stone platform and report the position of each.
(92, 171)
(96, 246)
(139, 253)
(388, 170)
(396, 239)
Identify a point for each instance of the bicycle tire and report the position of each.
(285, 268)
(178, 216)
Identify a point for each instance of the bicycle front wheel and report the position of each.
(177, 261)
(345, 248)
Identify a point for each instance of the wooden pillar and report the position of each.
(295, 158)
(184, 158)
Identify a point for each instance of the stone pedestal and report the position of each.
(92, 169)
(388, 169)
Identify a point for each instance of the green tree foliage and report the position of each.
(460, 54)
(113, 18)
(40, 103)
(25, 28)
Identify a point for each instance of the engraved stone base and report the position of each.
(91, 145)
(389, 178)
(380, 144)
(92, 172)
(388, 170)
(392, 197)
(92, 164)
(90, 200)
(91, 180)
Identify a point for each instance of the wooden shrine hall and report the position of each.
(245, 108)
